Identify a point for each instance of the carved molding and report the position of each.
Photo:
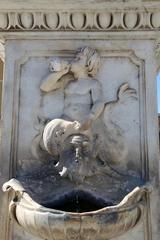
(82, 20)
(129, 54)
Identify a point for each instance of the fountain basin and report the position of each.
(47, 223)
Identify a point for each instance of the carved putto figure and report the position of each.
(83, 93)
(83, 106)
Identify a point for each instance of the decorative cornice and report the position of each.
(134, 19)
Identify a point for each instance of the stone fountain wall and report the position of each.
(126, 37)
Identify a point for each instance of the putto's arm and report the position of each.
(52, 82)
(98, 101)
(58, 78)
(97, 108)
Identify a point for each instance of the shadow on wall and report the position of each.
(158, 92)
(1, 80)
(158, 100)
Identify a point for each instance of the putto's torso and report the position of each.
(78, 98)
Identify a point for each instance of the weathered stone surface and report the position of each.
(48, 223)
(124, 37)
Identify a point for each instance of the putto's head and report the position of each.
(87, 60)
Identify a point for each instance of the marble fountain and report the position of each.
(77, 184)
